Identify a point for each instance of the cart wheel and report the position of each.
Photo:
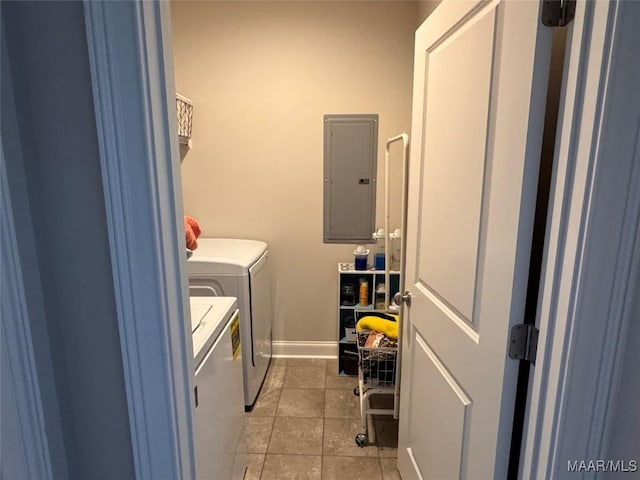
(361, 439)
(356, 391)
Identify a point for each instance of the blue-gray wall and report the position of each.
(53, 166)
(14, 162)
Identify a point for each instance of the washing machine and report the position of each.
(218, 418)
(239, 268)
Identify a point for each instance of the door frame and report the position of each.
(135, 82)
(131, 62)
(588, 283)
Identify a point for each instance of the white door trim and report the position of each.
(17, 341)
(134, 95)
(591, 262)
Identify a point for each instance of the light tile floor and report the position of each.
(304, 424)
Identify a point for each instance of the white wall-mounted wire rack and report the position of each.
(184, 108)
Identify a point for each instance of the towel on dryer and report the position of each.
(192, 231)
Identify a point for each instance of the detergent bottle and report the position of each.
(379, 256)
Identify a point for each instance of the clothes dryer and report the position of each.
(239, 268)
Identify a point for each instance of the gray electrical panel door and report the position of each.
(350, 160)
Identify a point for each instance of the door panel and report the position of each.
(480, 74)
(449, 253)
(438, 428)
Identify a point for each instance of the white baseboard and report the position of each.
(281, 348)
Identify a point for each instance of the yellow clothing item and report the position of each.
(388, 327)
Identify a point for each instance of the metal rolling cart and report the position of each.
(379, 367)
(376, 376)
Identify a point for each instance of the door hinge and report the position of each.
(523, 342)
(558, 13)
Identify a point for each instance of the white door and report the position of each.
(479, 96)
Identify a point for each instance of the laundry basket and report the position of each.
(377, 363)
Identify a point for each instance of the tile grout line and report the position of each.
(322, 446)
(273, 424)
(324, 411)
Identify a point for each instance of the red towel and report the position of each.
(191, 231)
(194, 225)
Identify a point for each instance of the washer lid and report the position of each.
(218, 312)
(222, 256)
(200, 306)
